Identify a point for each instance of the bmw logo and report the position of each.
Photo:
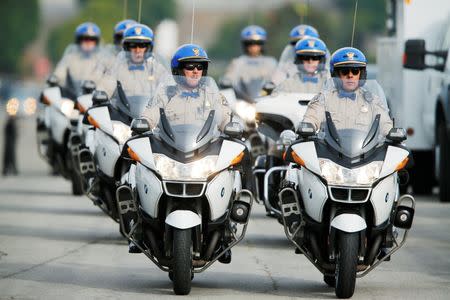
(386, 199)
(104, 151)
(145, 188)
(310, 193)
(222, 192)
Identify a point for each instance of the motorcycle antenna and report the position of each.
(354, 22)
(125, 9)
(192, 21)
(140, 11)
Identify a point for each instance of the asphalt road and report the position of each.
(56, 246)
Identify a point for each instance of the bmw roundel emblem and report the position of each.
(145, 188)
(386, 199)
(310, 193)
(104, 151)
(222, 192)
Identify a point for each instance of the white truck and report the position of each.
(414, 70)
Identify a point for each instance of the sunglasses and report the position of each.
(315, 58)
(137, 45)
(191, 67)
(346, 71)
(88, 39)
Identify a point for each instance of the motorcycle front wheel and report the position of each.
(182, 261)
(346, 263)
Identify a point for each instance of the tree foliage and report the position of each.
(18, 27)
(334, 25)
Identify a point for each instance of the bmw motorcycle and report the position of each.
(182, 202)
(277, 118)
(101, 164)
(340, 200)
(54, 128)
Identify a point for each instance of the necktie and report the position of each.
(350, 95)
(136, 67)
(310, 79)
(190, 94)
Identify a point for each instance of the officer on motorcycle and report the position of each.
(253, 65)
(111, 50)
(189, 67)
(311, 74)
(348, 69)
(81, 60)
(286, 66)
(136, 68)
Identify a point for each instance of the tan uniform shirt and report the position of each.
(183, 106)
(80, 66)
(247, 68)
(296, 83)
(134, 81)
(348, 113)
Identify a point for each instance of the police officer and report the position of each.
(350, 104)
(253, 65)
(82, 59)
(286, 66)
(110, 51)
(136, 68)
(189, 67)
(311, 74)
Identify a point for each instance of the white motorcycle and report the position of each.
(276, 114)
(103, 167)
(60, 116)
(340, 200)
(182, 202)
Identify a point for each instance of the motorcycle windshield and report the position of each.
(355, 115)
(252, 74)
(189, 110)
(132, 106)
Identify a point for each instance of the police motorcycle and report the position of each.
(182, 201)
(278, 114)
(58, 118)
(81, 132)
(340, 199)
(277, 117)
(101, 164)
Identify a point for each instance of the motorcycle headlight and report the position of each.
(170, 169)
(67, 107)
(121, 132)
(335, 174)
(246, 111)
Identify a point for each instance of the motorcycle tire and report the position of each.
(77, 185)
(346, 263)
(182, 261)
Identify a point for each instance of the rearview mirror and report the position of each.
(305, 130)
(52, 80)
(397, 135)
(414, 55)
(234, 130)
(99, 98)
(140, 126)
(269, 87)
(88, 86)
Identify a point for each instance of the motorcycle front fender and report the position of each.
(349, 223)
(183, 219)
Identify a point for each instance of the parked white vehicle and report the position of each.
(415, 96)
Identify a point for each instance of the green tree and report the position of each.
(106, 13)
(19, 23)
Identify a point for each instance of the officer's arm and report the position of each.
(151, 112)
(386, 123)
(230, 73)
(225, 110)
(315, 113)
(61, 70)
